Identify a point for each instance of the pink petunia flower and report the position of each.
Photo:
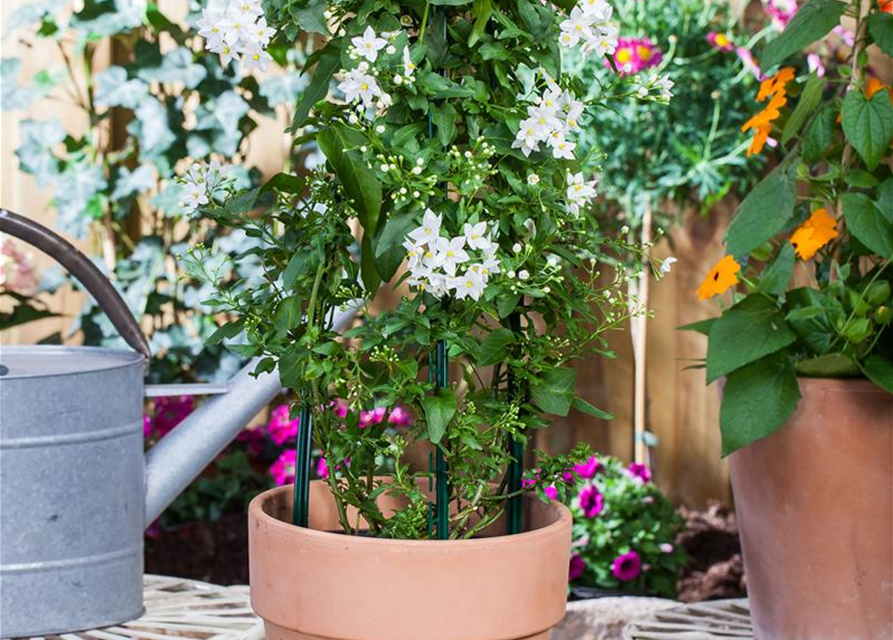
(588, 469)
(568, 477)
(339, 408)
(281, 427)
(720, 41)
(639, 471)
(169, 412)
(551, 492)
(592, 502)
(148, 427)
(372, 417)
(283, 470)
(576, 567)
(627, 566)
(254, 437)
(322, 468)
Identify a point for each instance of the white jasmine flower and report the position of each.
(577, 26)
(260, 34)
(475, 235)
(449, 254)
(523, 274)
(368, 45)
(553, 260)
(533, 179)
(665, 84)
(666, 265)
(469, 285)
(490, 265)
(430, 229)
(561, 148)
(225, 51)
(516, 248)
(358, 85)
(390, 50)
(195, 195)
(408, 65)
(528, 137)
(255, 57)
(250, 9)
(212, 26)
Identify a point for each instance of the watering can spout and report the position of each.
(184, 452)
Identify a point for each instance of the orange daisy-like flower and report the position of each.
(874, 85)
(815, 233)
(720, 278)
(761, 123)
(885, 5)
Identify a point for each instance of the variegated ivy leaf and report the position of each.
(130, 183)
(168, 199)
(113, 89)
(152, 129)
(229, 108)
(33, 12)
(12, 94)
(77, 192)
(105, 18)
(176, 66)
(283, 89)
(35, 152)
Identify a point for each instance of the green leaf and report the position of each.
(701, 326)
(884, 201)
(809, 100)
(831, 365)
(765, 212)
(506, 304)
(359, 181)
(285, 183)
(439, 410)
(483, 9)
(867, 224)
(494, 348)
(819, 134)
(554, 393)
(591, 410)
(776, 277)
(814, 317)
(868, 125)
(368, 270)
(312, 16)
(394, 233)
(329, 62)
(812, 21)
(757, 400)
(449, 3)
(296, 267)
(228, 330)
(444, 118)
(750, 330)
(880, 26)
(879, 370)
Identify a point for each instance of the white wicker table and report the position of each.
(718, 620)
(177, 608)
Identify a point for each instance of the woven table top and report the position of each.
(718, 620)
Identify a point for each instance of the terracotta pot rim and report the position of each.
(564, 518)
(841, 381)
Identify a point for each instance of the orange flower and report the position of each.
(761, 123)
(885, 5)
(814, 234)
(874, 85)
(720, 278)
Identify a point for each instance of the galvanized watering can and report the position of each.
(75, 490)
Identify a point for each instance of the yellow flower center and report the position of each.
(645, 53)
(623, 56)
(722, 40)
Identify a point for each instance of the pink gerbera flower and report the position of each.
(588, 468)
(591, 501)
(576, 567)
(627, 566)
(634, 54)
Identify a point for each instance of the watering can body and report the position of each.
(76, 491)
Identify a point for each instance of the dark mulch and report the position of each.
(218, 552)
(716, 570)
(210, 551)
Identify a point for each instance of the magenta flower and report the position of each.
(576, 567)
(591, 501)
(283, 470)
(369, 418)
(634, 54)
(400, 417)
(255, 438)
(748, 61)
(169, 412)
(627, 566)
(639, 472)
(148, 427)
(322, 468)
(588, 468)
(551, 492)
(720, 41)
(781, 11)
(568, 477)
(815, 64)
(281, 427)
(339, 408)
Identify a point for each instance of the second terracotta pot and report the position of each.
(815, 507)
(314, 584)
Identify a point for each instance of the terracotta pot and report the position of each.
(815, 510)
(309, 584)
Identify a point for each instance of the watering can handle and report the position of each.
(81, 268)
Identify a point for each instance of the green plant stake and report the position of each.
(514, 509)
(302, 467)
(442, 489)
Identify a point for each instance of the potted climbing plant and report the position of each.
(806, 348)
(452, 215)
